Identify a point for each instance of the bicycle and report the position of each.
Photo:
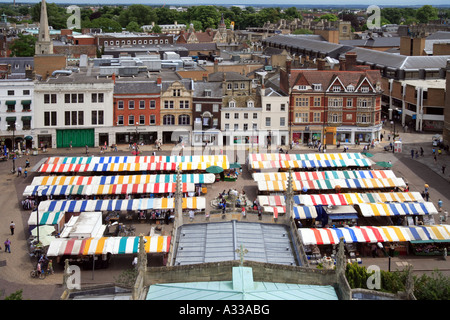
(38, 274)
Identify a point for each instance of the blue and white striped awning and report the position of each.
(397, 209)
(120, 204)
(46, 218)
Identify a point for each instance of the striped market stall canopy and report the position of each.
(120, 204)
(397, 209)
(299, 212)
(136, 159)
(366, 234)
(123, 179)
(342, 198)
(314, 160)
(324, 175)
(105, 245)
(109, 189)
(280, 186)
(130, 167)
(45, 218)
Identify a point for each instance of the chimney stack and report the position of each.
(350, 61)
(320, 64)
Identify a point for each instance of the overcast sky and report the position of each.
(251, 2)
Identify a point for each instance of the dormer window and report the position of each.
(350, 88)
(336, 88)
(207, 93)
(231, 104)
(365, 89)
(317, 87)
(250, 104)
(302, 87)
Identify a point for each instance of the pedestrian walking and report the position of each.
(87, 149)
(12, 226)
(70, 145)
(427, 196)
(27, 163)
(443, 168)
(50, 267)
(440, 205)
(435, 159)
(25, 173)
(7, 245)
(19, 171)
(412, 153)
(421, 151)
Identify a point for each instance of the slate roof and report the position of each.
(229, 76)
(124, 87)
(201, 86)
(375, 42)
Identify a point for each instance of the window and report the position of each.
(152, 119)
(335, 102)
(231, 104)
(49, 118)
(236, 85)
(316, 117)
(350, 88)
(141, 120)
(317, 101)
(255, 126)
(198, 107)
(317, 87)
(236, 127)
(227, 126)
(131, 120)
(227, 115)
(141, 104)
(120, 120)
(245, 115)
(184, 119)
(207, 93)
(255, 115)
(10, 92)
(152, 104)
(229, 86)
(282, 107)
(97, 97)
(335, 118)
(168, 104)
(26, 92)
(49, 98)
(184, 104)
(243, 85)
(336, 88)
(364, 103)
(176, 92)
(245, 126)
(301, 117)
(250, 104)
(215, 107)
(365, 89)
(302, 87)
(282, 121)
(267, 121)
(236, 115)
(268, 107)
(349, 103)
(302, 102)
(131, 104)
(363, 118)
(97, 117)
(169, 119)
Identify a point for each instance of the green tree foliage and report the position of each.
(328, 17)
(15, 295)
(24, 46)
(133, 26)
(106, 24)
(426, 13)
(302, 31)
(156, 29)
(57, 15)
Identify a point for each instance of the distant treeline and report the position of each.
(114, 18)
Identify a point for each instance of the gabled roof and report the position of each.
(229, 76)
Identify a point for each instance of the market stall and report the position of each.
(55, 218)
(120, 204)
(396, 209)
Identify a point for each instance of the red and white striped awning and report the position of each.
(105, 245)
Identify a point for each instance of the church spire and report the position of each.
(44, 44)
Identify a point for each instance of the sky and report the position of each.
(250, 2)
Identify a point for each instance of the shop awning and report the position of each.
(397, 209)
(10, 102)
(137, 159)
(273, 201)
(26, 102)
(370, 234)
(324, 175)
(46, 218)
(10, 119)
(120, 204)
(26, 118)
(105, 245)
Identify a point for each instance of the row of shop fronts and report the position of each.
(95, 137)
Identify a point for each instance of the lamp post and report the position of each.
(136, 140)
(39, 193)
(393, 121)
(13, 148)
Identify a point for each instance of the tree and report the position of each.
(57, 15)
(107, 25)
(328, 17)
(302, 31)
(134, 27)
(156, 29)
(426, 14)
(15, 295)
(24, 46)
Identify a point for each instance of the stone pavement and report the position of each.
(16, 266)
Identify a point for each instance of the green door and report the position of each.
(78, 138)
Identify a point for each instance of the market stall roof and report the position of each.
(371, 234)
(324, 175)
(105, 245)
(341, 212)
(154, 188)
(136, 159)
(397, 209)
(331, 184)
(383, 197)
(120, 204)
(45, 218)
(130, 167)
(123, 179)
